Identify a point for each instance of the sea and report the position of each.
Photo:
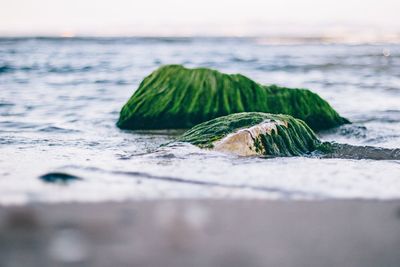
(60, 100)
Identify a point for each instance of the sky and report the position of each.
(199, 17)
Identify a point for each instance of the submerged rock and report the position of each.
(58, 177)
(177, 97)
(254, 133)
(345, 151)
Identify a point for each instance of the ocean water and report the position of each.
(60, 100)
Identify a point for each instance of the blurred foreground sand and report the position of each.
(202, 233)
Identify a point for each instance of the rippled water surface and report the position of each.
(60, 99)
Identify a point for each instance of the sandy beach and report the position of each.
(199, 133)
(202, 233)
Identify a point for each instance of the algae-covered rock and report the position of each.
(254, 133)
(177, 97)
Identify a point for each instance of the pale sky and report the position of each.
(197, 17)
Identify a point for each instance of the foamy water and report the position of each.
(60, 99)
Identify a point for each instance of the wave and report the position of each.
(144, 175)
(63, 69)
(99, 40)
(55, 129)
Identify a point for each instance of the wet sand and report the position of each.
(202, 233)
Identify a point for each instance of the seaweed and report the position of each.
(177, 97)
(254, 133)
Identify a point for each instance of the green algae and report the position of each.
(291, 137)
(177, 97)
(288, 137)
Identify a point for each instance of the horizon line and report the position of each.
(262, 39)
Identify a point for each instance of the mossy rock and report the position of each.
(254, 133)
(177, 97)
